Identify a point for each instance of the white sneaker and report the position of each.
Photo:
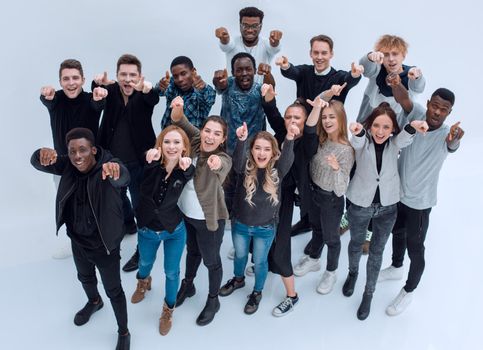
(399, 304)
(327, 282)
(62, 251)
(391, 273)
(231, 253)
(305, 265)
(250, 270)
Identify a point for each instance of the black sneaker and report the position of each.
(123, 342)
(84, 314)
(252, 304)
(230, 286)
(186, 290)
(285, 306)
(349, 284)
(132, 264)
(365, 307)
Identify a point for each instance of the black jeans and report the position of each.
(86, 260)
(202, 243)
(325, 213)
(409, 233)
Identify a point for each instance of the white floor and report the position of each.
(39, 296)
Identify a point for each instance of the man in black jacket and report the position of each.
(71, 107)
(126, 130)
(89, 204)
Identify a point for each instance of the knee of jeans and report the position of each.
(88, 279)
(115, 292)
(213, 264)
(172, 275)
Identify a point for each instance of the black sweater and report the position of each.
(138, 112)
(263, 212)
(299, 175)
(104, 198)
(68, 113)
(309, 85)
(159, 211)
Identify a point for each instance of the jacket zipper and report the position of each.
(95, 217)
(69, 192)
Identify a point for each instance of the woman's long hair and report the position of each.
(271, 181)
(339, 110)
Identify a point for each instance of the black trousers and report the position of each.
(202, 243)
(409, 233)
(86, 260)
(325, 213)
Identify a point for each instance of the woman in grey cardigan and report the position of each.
(374, 192)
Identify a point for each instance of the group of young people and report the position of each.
(203, 169)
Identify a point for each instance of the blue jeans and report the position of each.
(262, 240)
(129, 206)
(383, 219)
(148, 243)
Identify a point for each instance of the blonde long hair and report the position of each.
(271, 181)
(339, 110)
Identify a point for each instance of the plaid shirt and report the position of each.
(240, 106)
(197, 103)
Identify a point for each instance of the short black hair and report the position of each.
(445, 94)
(251, 12)
(242, 55)
(182, 60)
(80, 133)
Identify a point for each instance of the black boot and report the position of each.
(208, 314)
(186, 290)
(349, 284)
(84, 314)
(302, 226)
(123, 342)
(132, 264)
(365, 307)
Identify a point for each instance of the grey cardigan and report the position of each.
(363, 185)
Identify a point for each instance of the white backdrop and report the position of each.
(445, 40)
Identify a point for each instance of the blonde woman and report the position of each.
(256, 205)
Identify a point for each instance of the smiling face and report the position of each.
(172, 146)
(182, 76)
(438, 111)
(330, 123)
(321, 54)
(82, 154)
(382, 128)
(212, 136)
(250, 29)
(127, 73)
(295, 116)
(244, 72)
(393, 60)
(71, 81)
(262, 152)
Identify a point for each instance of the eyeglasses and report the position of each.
(246, 26)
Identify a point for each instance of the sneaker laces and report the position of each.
(285, 305)
(252, 299)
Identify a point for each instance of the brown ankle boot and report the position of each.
(166, 320)
(143, 286)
